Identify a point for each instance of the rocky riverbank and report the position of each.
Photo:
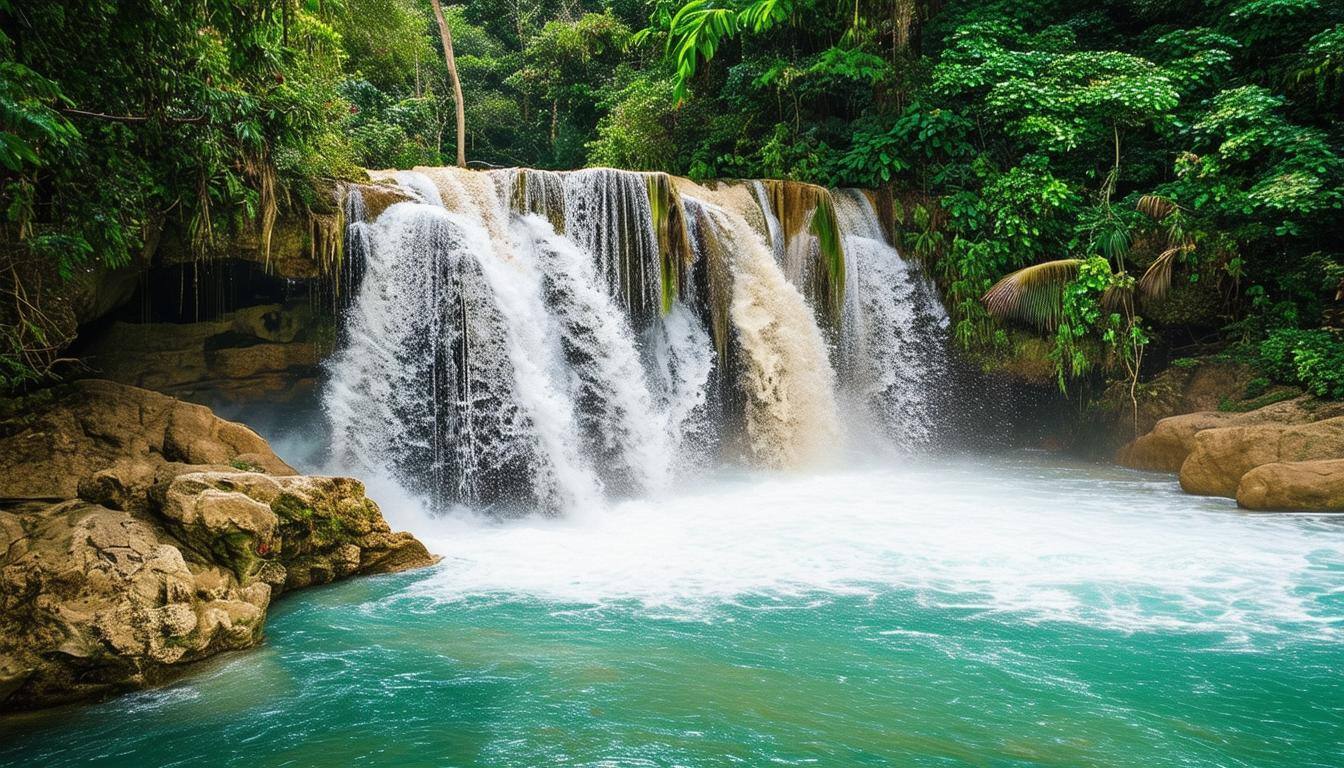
(1285, 454)
(141, 533)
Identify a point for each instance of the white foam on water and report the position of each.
(1022, 542)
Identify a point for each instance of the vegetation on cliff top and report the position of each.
(1185, 153)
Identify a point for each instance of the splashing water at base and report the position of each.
(954, 613)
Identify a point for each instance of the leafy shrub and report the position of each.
(1257, 387)
(1313, 359)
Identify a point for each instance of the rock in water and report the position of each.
(1220, 457)
(132, 543)
(1165, 448)
(1293, 486)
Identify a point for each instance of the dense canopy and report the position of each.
(1185, 157)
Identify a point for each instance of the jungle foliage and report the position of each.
(1166, 170)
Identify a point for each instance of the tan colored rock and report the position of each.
(1178, 390)
(268, 353)
(1220, 457)
(52, 441)
(1296, 485)
(1166, 447)
(94, 599)
(160, 562)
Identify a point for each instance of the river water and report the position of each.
(1005, 610)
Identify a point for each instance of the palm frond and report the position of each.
(1119, 298)
(1032, 294)
(1156, 280)
(1156, 206)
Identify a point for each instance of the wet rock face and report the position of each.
(131, 543)
(262, 354)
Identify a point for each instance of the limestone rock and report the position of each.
(1295, 485)
(52, 441)
(1166, 447)
(94, 600)
(268, 353)
(1178, 389)
(1220, 457)
(168, 555)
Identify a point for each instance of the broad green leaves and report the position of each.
(698, 28)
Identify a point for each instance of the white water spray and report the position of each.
(513, 339)
(892, 343)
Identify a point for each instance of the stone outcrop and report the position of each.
(1294, 485)
(53, 441)
(269, 353)
(1220, 457)
(139, 534)
(1166, 446)
(1281, 456)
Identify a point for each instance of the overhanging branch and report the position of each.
(130, 119)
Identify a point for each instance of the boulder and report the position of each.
(1165, 448)
(1219, 457)
(116, 439)
(96, 600)
(131, 544)
(1294, 485)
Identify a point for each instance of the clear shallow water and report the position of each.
(969, 612)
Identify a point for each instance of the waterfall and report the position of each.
(791, 415)
(892, 343)
(607, 212)
(538, 339)
(608, 385)
(682, 361)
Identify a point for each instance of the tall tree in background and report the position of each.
(447, 38)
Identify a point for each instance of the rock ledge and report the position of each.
(139, 533)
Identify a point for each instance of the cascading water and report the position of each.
(608, 214)
(534, 338)
(791, 413)
(893, 342)
(608, 387)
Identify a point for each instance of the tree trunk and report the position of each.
(448, 59)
